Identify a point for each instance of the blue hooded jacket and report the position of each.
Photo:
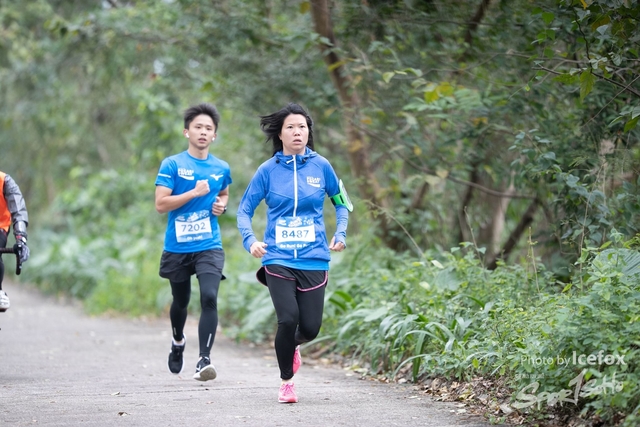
(294, 189)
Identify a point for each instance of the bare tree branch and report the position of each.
(451, 178)
(627, 88)
(611, 100)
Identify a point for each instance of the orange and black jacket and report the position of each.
(12, 205)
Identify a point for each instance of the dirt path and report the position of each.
(59, 366)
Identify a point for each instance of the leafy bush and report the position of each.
(446, 315)
(592, 333)
(103, 230)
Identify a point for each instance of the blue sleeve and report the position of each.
(342, 221)
(251, 198)
(227, 179)
(342, 213)
(166, 174)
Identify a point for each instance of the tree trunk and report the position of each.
(525, 221)
(463, 225)
(475, 21)
(498, 220)
(358, 147)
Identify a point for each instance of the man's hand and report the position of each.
(21, 248)
(218, 207)
(202, 188)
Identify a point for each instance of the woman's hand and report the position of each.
(258, 249)
(336, 247)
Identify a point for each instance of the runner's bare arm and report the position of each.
(166, 202)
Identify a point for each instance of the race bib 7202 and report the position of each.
(193, 226)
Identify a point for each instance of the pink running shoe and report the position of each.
(297, 360)
(287, 393)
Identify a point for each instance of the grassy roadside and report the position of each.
(548, 349)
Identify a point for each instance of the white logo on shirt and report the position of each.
(315, 182)
(216, 177)
(186, 174)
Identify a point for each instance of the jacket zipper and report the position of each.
(295, 195)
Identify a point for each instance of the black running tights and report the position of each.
(299, 319)
(209, 284)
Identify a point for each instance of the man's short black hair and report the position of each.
(204, 108)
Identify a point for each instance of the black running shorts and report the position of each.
(306, 280)
(180, 267)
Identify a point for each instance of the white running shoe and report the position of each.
(4, 301)
(205, 371)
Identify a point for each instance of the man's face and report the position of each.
(201, 132)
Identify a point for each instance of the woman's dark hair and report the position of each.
(204, 108)
(271, 125)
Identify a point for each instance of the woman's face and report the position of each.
(294, 134)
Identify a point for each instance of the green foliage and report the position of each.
(433, 319)
(597, 316)
(586, 203)
(91, 101)
(599, 35)
(137, 292)
(441, 103)
(105, 229)
(445, 315)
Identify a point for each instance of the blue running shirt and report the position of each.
(193, 227)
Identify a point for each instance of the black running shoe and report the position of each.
(205, 371)
(176, 361)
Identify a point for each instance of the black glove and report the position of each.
(21, 249)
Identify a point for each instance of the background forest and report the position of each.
(490, 147)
